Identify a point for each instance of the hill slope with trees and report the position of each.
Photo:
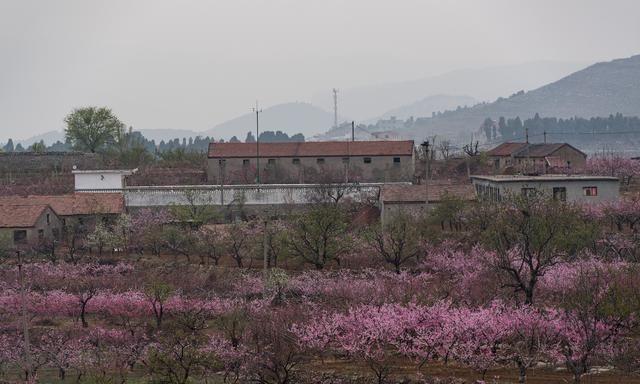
(598, 90)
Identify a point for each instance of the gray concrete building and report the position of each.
(311, 162)
(570, 188)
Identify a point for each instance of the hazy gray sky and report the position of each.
(192, 64)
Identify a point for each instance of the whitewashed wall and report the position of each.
(248, 195)
(98, 181)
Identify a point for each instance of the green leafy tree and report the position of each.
(92, 128)
(320, 235)
(38, 147)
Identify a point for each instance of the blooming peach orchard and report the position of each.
(526, 289)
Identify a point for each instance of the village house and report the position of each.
(83, 209)
(570, 188)
(311, 162)
(28, 225)
(540, 157)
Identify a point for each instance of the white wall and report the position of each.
(98, 181)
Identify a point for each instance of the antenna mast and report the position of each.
(335, 108)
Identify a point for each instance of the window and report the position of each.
(590, 191)
(246, 162)
(320, 161)
(396, 161)
(296, 161)
(271, 162)
(345, 160)
(367, 160)
(56, 233)
(528, 192)
(221, 162)
(560, 193)
(40, 234)
(20, 236)
(48, 218)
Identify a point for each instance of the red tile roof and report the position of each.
(531, 150)
(416, 193)
(506, 149)
(313, 149)
(20, 216)
(75, 204)
(542, 150)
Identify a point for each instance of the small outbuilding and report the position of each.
(538, 157)
(411, 198)
(28, 225)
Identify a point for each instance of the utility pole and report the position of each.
(353, 131)
(335, 108)
(425, 144)
(265, 252)
(545, 137)
(25, 324)
(257, 111)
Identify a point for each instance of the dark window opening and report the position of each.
(246, 162)
(396, 160)
(320, 161)
(367, 160)
(48, 218)
(560, 193)
(40, 234)
(20, 236)
(295, 161)
(221, 162)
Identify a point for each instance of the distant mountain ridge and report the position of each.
(598, 90)
(290, 118)
(484, 84)
(428, 105)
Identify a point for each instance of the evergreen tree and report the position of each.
(9, 146)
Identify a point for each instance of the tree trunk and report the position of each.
(82, 314)
(522, 369)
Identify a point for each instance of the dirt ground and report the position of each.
(497, 376)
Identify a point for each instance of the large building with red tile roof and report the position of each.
(307, 162)
(539, 157)
(28, 224)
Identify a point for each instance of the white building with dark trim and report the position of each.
(571, 188)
